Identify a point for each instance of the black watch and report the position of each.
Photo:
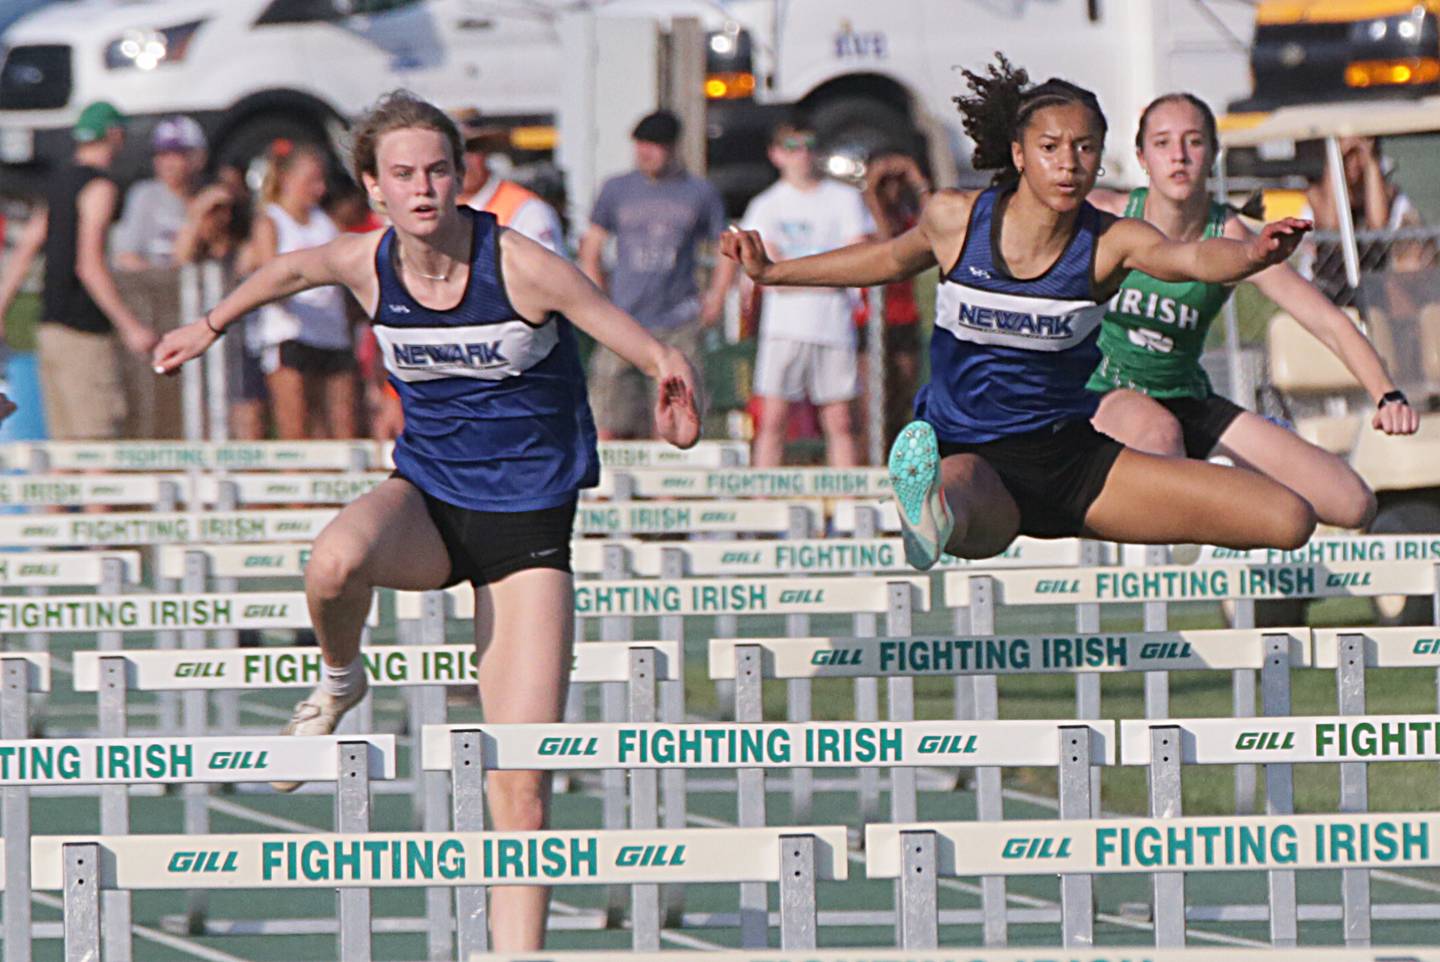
(1392, 397)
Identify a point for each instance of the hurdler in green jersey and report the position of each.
(1154, 331)
(1157, 398)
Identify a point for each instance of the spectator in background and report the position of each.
(156, 210)
(81, 379)
(303, 342)
(807, 335)
(514, 206)
(660, 217)
(895, 193)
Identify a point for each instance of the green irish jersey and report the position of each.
(1154, 331)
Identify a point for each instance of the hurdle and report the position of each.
(709, 517)
(1154, 845)
(1166, 745)
(1038, 954)
(615, 455)
(468, 751)
(901, 657)
(169, 456)
(21, 674)
(82, 867)
(623, 484)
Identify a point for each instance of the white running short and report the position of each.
(796, 371)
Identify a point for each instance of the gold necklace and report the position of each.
(429, 277)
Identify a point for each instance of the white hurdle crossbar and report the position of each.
(21, 673)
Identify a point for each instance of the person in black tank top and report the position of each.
(474, 323)
(81, 309)
(970, 497)
(1176, 143)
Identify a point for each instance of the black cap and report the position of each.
(661, 127)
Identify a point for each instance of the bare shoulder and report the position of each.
(1235, 229)
(948, 211)
(354, 250)
(1109, 201)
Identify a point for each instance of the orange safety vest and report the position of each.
(507, 200)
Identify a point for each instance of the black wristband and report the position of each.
(220, 332)
(1392, 397)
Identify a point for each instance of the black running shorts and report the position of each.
(1202, 421)
(1054, 473)
(486, 546)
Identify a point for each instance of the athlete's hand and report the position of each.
(1396, 418)
(1277, 241)
(747, 248)
(180, 345)
(677, 415)
(7, 406)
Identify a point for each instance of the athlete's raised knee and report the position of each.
(1291, 521)
(1161, 436)
(517, 800)
(333, 569)
(1354, 506)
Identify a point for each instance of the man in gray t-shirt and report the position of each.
(156, 209)
(660, 217)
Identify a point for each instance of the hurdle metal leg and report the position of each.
(867, 690)
(114, 801)
(797, 892)
(672, 709)
(1354, 789)
(468, 810)
(616, 566)
(644, 803)
(1279, 787)
(195, 710)
(352, 815)
(754, 902)
(227, 703)
(989, 802)
(168, 701)
(919, 907)
(1168, 887)
(430, 787)
(1157, 618)
(1087, 685)
(82, 902)
(1242, 683)
(899, 622)
(1077, 893)
(798, 690)
(15, 813)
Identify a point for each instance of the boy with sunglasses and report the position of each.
(807, 335)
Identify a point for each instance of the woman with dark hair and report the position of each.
(1004, 445)
(1156, 396)
(474, 325)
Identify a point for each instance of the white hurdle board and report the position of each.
(1293, 739)
(737, 745)
(147, 528)
(695, 596)
(680, 517)
(394, 859)
(50, 614)
(1219, 582)
(1227, 648)
(37, 668)
(747, 482)
(1384, 647)
(1328, 549)
(29, 569)
(237, 560)
(660, 454)
(385, 666)
(160, 456)
(292, 488)
(951, 954)
(1115, 845)
(185, 760)
(73, 490)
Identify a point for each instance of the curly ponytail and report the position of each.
(1000, 106)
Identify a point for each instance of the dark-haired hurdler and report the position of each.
(474, 324)
(1003, 443)
(1156, 396)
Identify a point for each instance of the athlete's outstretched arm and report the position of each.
(287, 274)
(1333, 328)
(540, 283)
(1130, 244)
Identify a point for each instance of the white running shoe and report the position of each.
(925, 518)
(319, 715)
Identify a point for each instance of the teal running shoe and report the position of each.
(925, 518)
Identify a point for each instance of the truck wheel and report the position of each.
(1411, 516)
(246, 145)
(851, 130)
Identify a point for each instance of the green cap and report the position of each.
(96, 121)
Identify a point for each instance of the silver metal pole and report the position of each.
(217, 389)
(875, 375)
(1336, 165)
(1232, 319)
(192, 378)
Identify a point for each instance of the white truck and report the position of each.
(868, 74)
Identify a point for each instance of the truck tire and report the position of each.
(1414, 515)
(850, 130)
(246, 144)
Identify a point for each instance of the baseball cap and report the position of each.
(476, 132)
(177, 133)
(96, 121)
(660, 127)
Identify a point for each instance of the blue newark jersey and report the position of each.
(1009, 355)
(496, 417)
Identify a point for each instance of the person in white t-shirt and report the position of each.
(807, 335)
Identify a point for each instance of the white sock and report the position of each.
(342, 682)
